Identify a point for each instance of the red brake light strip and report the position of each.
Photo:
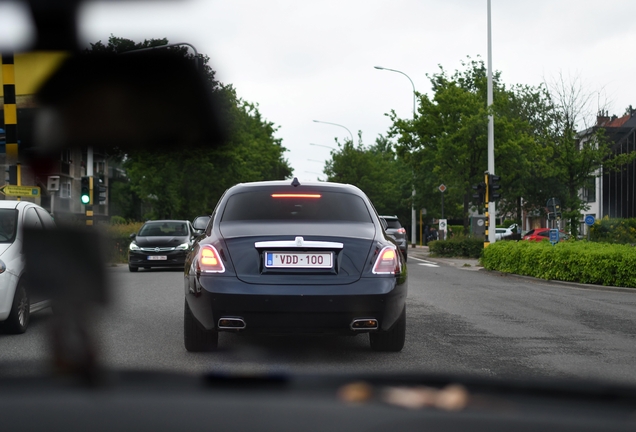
(296, 195)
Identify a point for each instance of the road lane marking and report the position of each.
(425, 262)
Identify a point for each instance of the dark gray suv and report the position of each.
(398, 232)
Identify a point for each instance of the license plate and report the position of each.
(157, 258)
(298, 259)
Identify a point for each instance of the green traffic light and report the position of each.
(85, 199)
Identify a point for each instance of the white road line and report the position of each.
(425, 262)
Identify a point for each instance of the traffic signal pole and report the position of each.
(10, 115)
(89, 172)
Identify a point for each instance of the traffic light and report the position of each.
(12, 175)
(101, 192)
(85, 190)
(480, 194)
(554, 208)
(493, 187)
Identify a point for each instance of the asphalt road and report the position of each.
(460, 320)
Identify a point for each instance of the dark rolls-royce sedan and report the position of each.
(282, 256)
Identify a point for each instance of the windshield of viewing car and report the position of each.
(8, 225)
(390, 97)
(270, 206)
(164, 229)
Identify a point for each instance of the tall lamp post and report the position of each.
(413, 221)
(322, 145)
(335, 124)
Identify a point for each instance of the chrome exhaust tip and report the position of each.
(364, 324)
(227, 323)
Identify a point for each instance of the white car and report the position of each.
(500, 233)
(16, 304)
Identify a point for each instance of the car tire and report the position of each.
(132, 269)
(18, 319)
(391, 340)
(195, 337)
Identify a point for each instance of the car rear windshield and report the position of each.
(393, 223)
(163, 229)
(295, 206)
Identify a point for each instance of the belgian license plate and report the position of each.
(298, 259)
(157, 258)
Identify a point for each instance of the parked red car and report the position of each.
(539, 234)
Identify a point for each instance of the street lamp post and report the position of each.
(325, 146)
(413, 221)
(335, 124)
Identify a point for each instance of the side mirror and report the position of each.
(133, 235)
(200, 223)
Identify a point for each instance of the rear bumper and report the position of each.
(174, 259)
(296, 309)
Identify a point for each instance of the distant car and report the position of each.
(161, 243)
(291, 257)
(539, 234)
(16, 304)
(398, 233)
(502, 232)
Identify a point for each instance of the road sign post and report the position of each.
(589, 221)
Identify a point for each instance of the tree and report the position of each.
(182, 183)
(378, 172)
(447, 141)
(578, 148)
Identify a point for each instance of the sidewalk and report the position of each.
(422, 252)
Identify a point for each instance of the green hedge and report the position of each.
(117, 239)
(583, 262)
(457, 247)
(622, 231)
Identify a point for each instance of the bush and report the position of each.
(117, 239)
(457, 230)
(621, 231)
(459, 246)
(582, 261)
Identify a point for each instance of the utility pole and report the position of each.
(491, 214)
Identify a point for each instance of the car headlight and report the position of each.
(133, 246)
(3, 267)
(183, 246)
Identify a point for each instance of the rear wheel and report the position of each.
(195, 337)
(18, 319)
(132, 269)
(392, 340)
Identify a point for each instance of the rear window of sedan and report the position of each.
(295, 206)
(393, 223)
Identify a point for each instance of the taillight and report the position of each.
(401, 230)
(388, 262)
(210, 260)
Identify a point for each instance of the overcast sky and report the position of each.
(306, 60)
